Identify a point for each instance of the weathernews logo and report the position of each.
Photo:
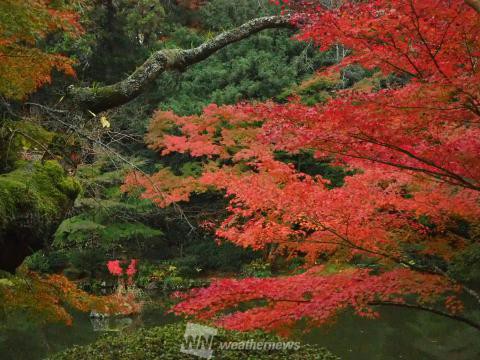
(198, 341)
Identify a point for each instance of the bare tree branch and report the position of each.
(106, 97)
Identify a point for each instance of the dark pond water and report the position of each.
(399, 334)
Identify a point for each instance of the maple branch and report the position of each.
(98, 99)
(474, 4)
(447, 173)
(346, 242)
(428, 309)
(450, 178)
(432, 310)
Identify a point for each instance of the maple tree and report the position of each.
(25, 66)
(413, 150)
(45, 298)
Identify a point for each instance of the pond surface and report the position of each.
(398, 334)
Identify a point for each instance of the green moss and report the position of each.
(33, 200)
(37, 188)
(164, 343)
(172, 55)
(17, 136)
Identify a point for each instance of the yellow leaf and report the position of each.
(6, 282)
(104, 121)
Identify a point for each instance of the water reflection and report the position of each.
(399, 334)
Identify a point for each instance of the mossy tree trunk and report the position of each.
(102, 98)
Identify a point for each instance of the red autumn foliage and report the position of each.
(46, 298)
(115, 268)
(24, 67)
(414, 150)
(132, 268)
(310, 295)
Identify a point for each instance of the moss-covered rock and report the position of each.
(165, 342)
(33, 200)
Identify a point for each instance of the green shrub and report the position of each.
(107, 223)
(207, 255)
(164, 343)
(466, 265)
(44, 262)
(257, 268)
(308, 164)
(166, 277)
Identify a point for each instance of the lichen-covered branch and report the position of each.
(98, 99)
